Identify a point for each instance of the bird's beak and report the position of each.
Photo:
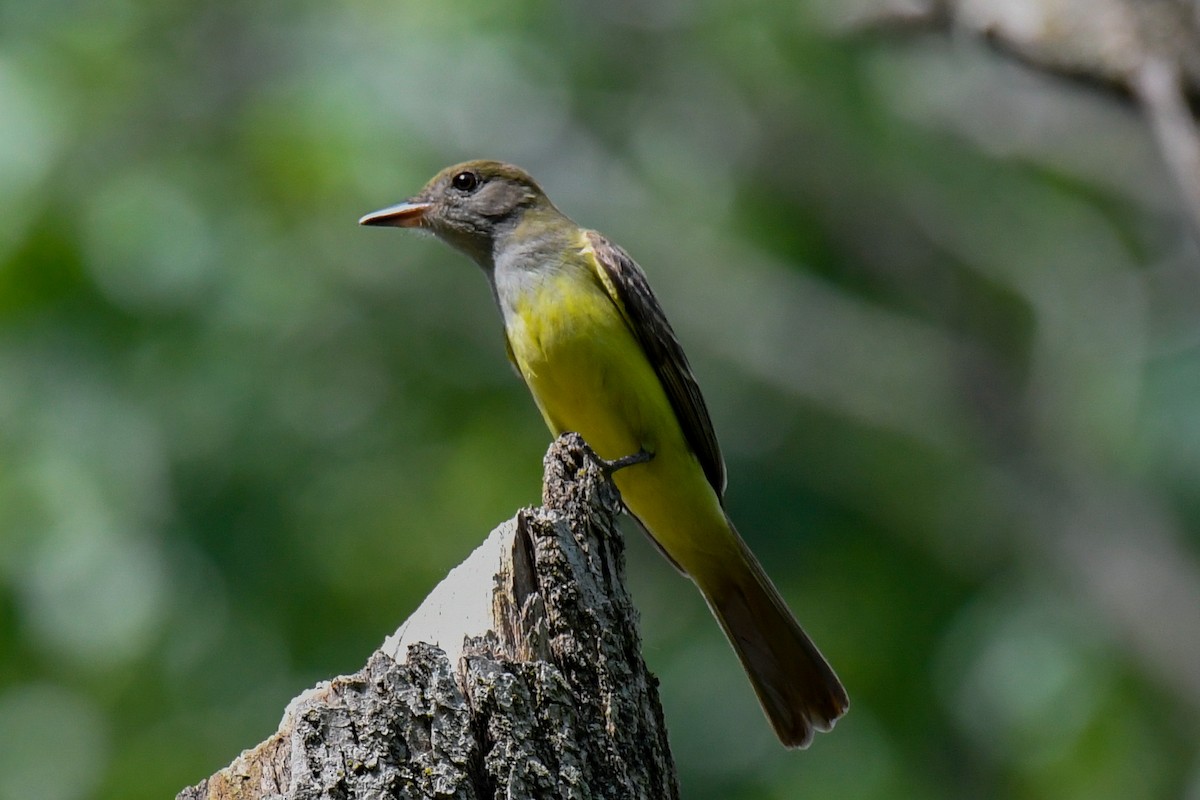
(408, 214)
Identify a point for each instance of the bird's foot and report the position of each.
(609, 467)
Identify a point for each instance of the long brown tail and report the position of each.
(797, 688)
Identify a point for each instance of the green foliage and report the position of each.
(945, 315)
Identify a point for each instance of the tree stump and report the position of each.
(520, 676)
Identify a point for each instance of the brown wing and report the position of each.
(626, 284)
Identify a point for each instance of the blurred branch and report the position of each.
(1145, 49)
(519, 676)
(1159, 87)
(1127, 556)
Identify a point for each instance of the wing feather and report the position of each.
(626, 284)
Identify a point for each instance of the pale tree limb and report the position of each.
(520, 676)
(1158, 85)
(1145, 49)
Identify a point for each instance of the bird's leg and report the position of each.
(609, 467)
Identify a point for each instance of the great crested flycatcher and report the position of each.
(593, 345)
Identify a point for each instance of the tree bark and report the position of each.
(520, 676)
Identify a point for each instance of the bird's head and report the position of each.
(468, 206)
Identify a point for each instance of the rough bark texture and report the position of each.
(537, 690)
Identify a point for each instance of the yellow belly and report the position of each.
(588, 374)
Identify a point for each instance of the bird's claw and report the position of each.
(609, 467)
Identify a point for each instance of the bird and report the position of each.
(588, 336)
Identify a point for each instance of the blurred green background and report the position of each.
(945, 311)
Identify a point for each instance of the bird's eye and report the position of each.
(465, 181)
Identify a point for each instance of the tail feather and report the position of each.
(796, 686)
